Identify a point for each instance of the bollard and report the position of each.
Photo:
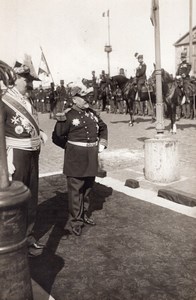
(14, 268)
(161, 160)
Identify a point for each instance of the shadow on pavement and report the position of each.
(117, 122)
(179, 127)
(51, 219)
(142, 139)
(52, 216)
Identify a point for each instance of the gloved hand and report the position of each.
(44, 137)
(101, 148)
(11, 167)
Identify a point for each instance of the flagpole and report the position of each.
(108, 15)
(46, 63)
(108, 47)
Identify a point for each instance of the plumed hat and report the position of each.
(26, 69)
(137, 55)
(81, 91)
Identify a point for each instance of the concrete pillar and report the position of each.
(161, 159)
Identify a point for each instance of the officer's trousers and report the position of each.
(26, 165)
(78, 199)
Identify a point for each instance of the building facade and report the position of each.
(182, 45)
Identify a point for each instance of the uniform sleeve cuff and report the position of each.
(103, 142)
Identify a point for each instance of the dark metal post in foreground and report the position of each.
(14, 269)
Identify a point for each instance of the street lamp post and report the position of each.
(108, 47)
(161, 152)
(14, 268)
(190, 32)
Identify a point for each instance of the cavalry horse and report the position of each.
(189, 89)
(172, 95)
(129, 91)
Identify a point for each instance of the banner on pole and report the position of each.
(43, 68)
(107, 13)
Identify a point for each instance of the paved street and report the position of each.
(124, 157)
(138, 250)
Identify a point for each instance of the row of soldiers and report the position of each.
(54, 100)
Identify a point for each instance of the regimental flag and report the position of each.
(107, 13)
(43, 68)
(152, 12)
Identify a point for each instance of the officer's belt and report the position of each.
(83, 144)
(30, 144)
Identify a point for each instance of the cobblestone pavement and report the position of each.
(124, 157)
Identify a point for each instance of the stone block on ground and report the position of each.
(101, 173)
(178, 197)
(132, 183)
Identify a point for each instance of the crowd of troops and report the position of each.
(104, 98)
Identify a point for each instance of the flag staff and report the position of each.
(46, 64)
(108, 47)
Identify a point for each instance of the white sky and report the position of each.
(73, 34)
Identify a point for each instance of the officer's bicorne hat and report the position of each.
(26, 69)
(82, 91)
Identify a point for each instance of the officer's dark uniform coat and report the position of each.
(85, 127)
(141, 73)
(184, 69)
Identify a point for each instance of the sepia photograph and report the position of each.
(98, 150)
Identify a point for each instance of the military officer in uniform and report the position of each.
(140, 74)
(62, 97)
(95, 87)
(23, 140)
(183, 71)
(86, 135)
(52, 99)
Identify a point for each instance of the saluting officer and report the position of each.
(86, 135)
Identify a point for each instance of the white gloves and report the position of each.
(11, 168)
(101, 148)
(44, 137)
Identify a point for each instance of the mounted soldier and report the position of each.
(140, 76)
(183, 71)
